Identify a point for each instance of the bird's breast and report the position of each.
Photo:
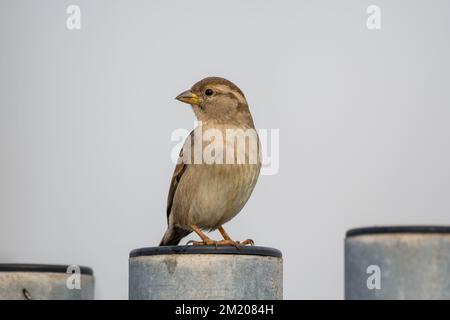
(212, 191)
(223, 191)
(223, 145)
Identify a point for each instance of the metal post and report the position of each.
(205, 272)
(45, 282)
(397, 263)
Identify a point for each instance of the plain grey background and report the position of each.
(86, 118)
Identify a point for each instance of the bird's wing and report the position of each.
(178, 173)
(180, 168)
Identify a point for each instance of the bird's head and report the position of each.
(217, 99)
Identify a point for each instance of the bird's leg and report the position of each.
(205, 239)
(227, 240)
(224, 233)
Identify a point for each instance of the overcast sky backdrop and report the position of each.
(86, 118)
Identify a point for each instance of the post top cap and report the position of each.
(52, 268)
(396, 229)
(189, 249)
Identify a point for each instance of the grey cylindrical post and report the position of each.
(205, 272)
(397, 263)
(45, 282)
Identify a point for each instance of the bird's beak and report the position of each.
(189, 97)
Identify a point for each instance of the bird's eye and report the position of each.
(209, 92)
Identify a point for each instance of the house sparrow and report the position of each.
(206, 194)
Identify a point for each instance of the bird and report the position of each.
(205, 193)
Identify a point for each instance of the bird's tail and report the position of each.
(173, 236)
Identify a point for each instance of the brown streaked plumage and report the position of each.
(205, 195)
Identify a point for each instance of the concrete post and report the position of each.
(397, 263)
(205, 272)
(45, 282)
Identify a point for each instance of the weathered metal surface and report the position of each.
(38, 285)
(205, 276)
(405, 263)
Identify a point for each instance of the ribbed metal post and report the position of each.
(205, 272)
(398, 263)
(45, 282)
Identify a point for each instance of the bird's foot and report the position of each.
(210, 242)
(206, 242)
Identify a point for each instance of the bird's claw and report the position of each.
(246, 242)
(190, 242)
